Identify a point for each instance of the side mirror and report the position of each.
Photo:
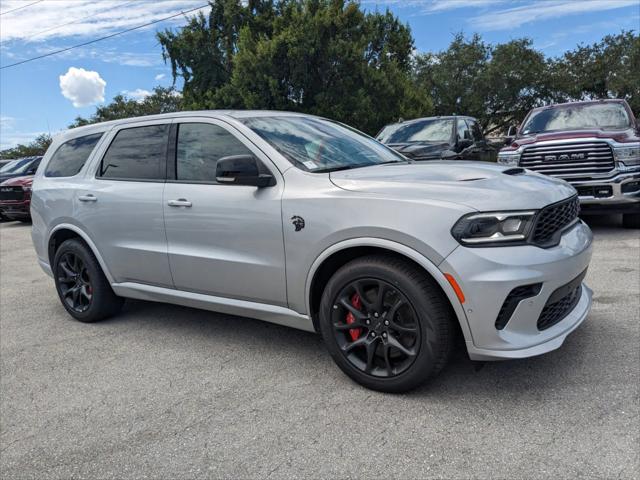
(242, 170)
(512, 131)
(508, 140)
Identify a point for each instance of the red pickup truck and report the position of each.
(595, 146)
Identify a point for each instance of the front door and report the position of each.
(223, 240)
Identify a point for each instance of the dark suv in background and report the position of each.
(595, 146)
(439, 138)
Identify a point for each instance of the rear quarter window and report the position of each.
(71, 156)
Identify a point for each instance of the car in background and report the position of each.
(595, 146)
(5, 161)
(15, 198)
(19, 168)
(434, 138)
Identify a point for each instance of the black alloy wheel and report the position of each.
(82, 286)
(75, 284)
(386, 323)
(376, 327)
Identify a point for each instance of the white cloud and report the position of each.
(86, 18)
(517, 16)
(160, 76)
(82, 87)
(431, 6)
(138, 94)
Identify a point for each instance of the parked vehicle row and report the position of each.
(304, 222)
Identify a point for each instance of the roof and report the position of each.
(439, 117)
(583, 102)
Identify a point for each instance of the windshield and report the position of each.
(579, 116)
(429, 131)
(319, 145)
(21, 165)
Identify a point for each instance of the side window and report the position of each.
(463, 130)
(70, 157)
(476, 132)
(200, 146)
(137, 153)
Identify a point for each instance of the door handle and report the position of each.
(88, 198)
(181, 202)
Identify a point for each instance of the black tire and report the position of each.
(96, 300)
(422, 299)
(631, 220)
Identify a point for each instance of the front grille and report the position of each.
(552, 313)
(552, 220)
(11, 193)
(561, 302)
(569, 159)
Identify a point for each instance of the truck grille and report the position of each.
(570, 159)
(553, 219)
(11, 193)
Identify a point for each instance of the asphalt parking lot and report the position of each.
(169, 392)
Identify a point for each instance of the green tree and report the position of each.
(498, 84)
(606, 69)
(37, 147)
(161, 100)
(325, 57)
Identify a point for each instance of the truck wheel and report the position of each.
(386, 323)
(631, 220)
(82, 287)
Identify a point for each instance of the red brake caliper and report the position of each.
(354, 332)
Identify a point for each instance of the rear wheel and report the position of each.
(631, 220)
(82, 287)
(386, 323)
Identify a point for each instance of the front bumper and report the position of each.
(618, 194)
(488, 275)
(16, 209)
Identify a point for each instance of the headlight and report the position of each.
(508, 158)
(630, 156)
(483, 229)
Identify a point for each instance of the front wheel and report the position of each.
(631, 220)
(386, 323)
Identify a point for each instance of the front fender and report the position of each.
(398, 248)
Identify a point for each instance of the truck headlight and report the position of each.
(630, 156)
(498, 228)
(508, 158)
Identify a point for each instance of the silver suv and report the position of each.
(305, 222)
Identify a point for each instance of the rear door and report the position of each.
(224, 240)
(121, 207)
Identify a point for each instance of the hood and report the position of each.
(477, 185)
(420, 150)
(24, 181)
(628, 135)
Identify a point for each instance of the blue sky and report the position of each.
(46, 95)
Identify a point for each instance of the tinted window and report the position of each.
(199, 148)
(71, 156)
(137, 153)
(463, 130)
